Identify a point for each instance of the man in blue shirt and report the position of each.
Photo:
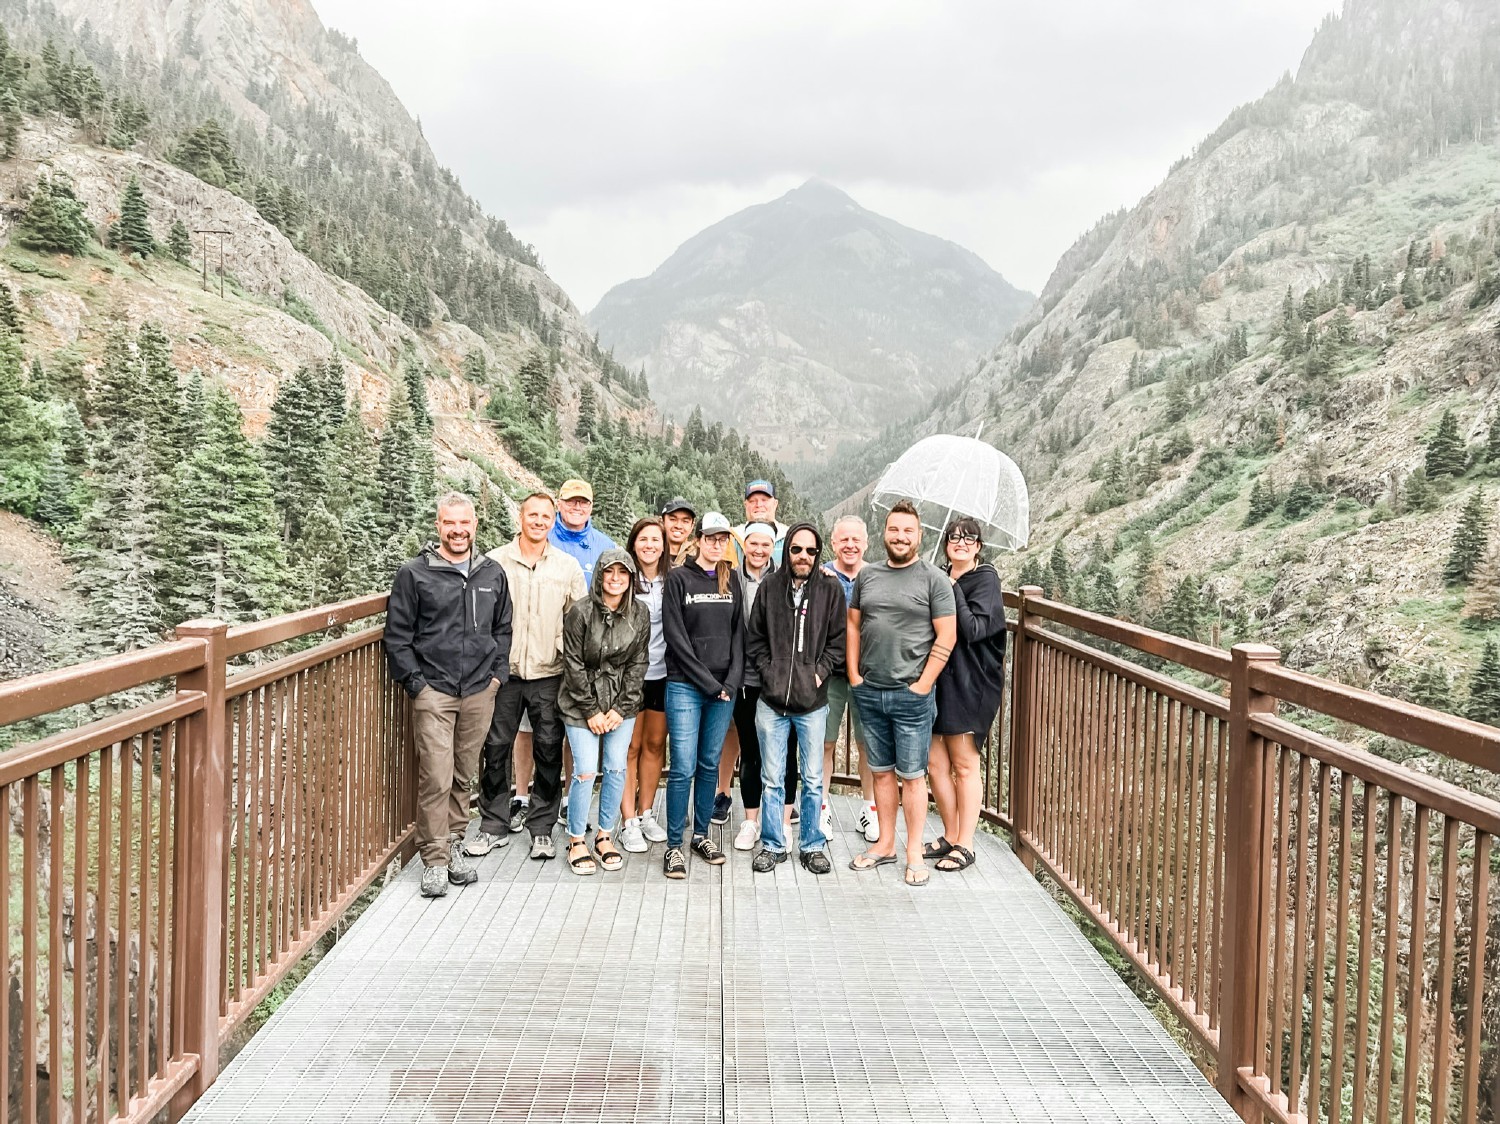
(573, 532)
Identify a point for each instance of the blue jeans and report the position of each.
(586, 749)
(696, 725)
(898, 728)
(773, 729)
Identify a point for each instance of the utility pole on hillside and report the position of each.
(221, 235)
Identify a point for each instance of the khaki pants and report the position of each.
(449, 735)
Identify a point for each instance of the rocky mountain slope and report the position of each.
(1229, 405)
(806, 320)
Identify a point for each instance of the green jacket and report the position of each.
(604, 660)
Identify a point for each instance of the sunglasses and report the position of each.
(801, 550)
(963, 537)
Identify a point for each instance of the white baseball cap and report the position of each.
(714, 523)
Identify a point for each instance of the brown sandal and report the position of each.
(609, 855)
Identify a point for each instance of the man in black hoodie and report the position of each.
(795, 638)
(447, 642)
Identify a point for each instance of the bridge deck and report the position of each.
(540, 996)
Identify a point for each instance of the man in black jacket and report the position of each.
(795, 637)
(447, 641)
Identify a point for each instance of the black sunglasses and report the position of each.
(802, 550)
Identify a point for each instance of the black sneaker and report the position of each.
(816, 862)
(673, 863)
(766, 861)
(707, 850)
(722, 806)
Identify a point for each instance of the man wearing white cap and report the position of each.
(573, 532)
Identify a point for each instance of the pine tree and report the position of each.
(133, 231)
(1184, 610)
(161, 395)
(1106, 592)
(10, 316)
(10, 123)
(584, 429)
(1432, 687)
(295, 449)
(1177, 401)
(179, 243)
(1031, 573)
(23, 435)
(54, 219)
(536, 387)
(1484, 687)
(1059, 575)
(1262, 502)
(1301, 498)
(57, 499)
(116, 573)
(1146, 581)
(405, 472)
(1470, 538)
(1445, 452)
(1482, 602)
(38, 387)
(1418, 494)
(227, 523)
(415, 372)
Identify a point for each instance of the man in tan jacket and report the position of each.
(544, 582)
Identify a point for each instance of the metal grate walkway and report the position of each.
(540, 996)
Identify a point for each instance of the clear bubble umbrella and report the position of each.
(947, 475)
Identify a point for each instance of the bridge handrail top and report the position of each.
(244, 638)
(63, 687)
(1189, 653)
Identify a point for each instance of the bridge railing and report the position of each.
(165, 866)
(1322, 919)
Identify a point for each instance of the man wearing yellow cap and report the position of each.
(573, 531)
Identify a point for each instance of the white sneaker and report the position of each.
(825, 822)
(870, 825)
(631, 838)
(747, 835)
(653, 831)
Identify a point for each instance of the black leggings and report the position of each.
(750, 782)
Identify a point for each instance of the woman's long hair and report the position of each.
(664, 563)
(967, 525)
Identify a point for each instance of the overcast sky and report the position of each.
(609, 133)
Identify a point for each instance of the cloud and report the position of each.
(606, 133)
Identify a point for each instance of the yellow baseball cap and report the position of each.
(575, 490)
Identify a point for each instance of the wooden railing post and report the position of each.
(1247, 875)
(198, 870)
(1022, 688)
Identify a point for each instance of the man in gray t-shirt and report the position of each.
(901, 631)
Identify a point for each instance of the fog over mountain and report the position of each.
(806, 320)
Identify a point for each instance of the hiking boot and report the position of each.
(766, 861)
(631, 838)
(869, 824)
(518, 810)
(653, 831)
(815, 862)
(746, 837)
(434, 881)
(723, 802)
(461, 871)
(707, 850)
(673, 863)
(542, 847)
(483, 842)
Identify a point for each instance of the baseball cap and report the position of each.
(713, 524)
(575, 490)
(760, 486)
(677, 503)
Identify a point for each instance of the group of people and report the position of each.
(698, 650)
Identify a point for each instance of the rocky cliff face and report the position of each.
(806, 320)
(1294, 308)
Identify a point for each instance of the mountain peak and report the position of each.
(818, 193)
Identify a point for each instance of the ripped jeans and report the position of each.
(586, 751)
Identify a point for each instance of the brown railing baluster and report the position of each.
(1478, 943)
(1247, 869)
(1022, 691)
(198, 892)
(1415, 967)
(1442, 1036)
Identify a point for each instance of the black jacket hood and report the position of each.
(786, 562)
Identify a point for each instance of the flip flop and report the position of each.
(871, 860)
(917, 875)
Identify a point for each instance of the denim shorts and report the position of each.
(898, 728)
